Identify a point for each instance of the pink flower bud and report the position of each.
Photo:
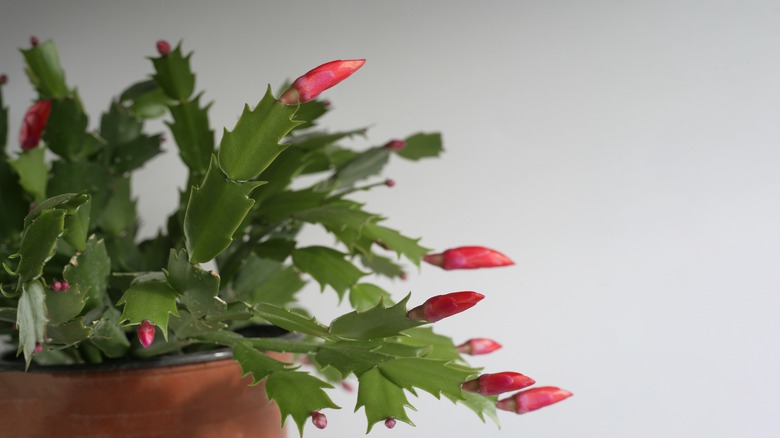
(3, 79)
(347, 386)
(498, 383)
(145, 333)
(38, 348)
(60, 286)
(319, 420)
(163, 47)
(390, 422)
(478, 346)
(468, 257)
(395, 145)
(33, 41)
(310, 85)
(390, 182)
(403, 276)
(442, 306)
(533, 399)
(33, 124)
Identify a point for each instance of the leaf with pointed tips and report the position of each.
(379, 322)
(256, 363)
(31, 318)
(421, 146)
(44, 70)
(290, 320)
(364, 165)
(198, 289)
(397, 242)
(192, 133)
(364, 296)
(38, 243)
(215, 211)
(328, 267)
(174, 75)
(253, 143)
(381, 399)
(152, 301)
(33, 172)
(66, 129)
(483, 406)
(67, 334)
(89, 272)
(298, 394)
(432, 376)
(351, 356)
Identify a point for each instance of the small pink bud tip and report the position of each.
(390, 422)
(33, 41)
(403, 276)
(3, 79)
(468, 257)
(442, 306)
(163, 47)
(347, 386)
(478, 346)
(145, 333)
(498, 383)
(33, 124)
(38, 348)
(319, 79)
(60, 286)
(319, 420)
(533, 399)
(395, 145)
(390, 182)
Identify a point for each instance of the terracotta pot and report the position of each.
(200, 395)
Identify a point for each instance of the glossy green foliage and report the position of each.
(298, 394)
(253, 143)
(422, 145)
(32, 172)
(191, 131)
(38, 243)
(381, 399)
(328, 267)
(378, 322)
(152, 300)
(44, 70)
(198, 289)
(66, 130)
(214, 213)
(174, 75)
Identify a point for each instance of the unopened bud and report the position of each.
(33, 124)
(163, 47)
(60, 286)
(390, 422)
(145, 333)
(395, 145)
(3, 79)
(468, 257)
(442, 306)
(319, 79)
(34, 41)
(533, 399)
(478, 346)
(390, 182)
(38, 348)
(498, 383)
(319, 420)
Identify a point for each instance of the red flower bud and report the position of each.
(310, 85)
(478, 346)
(38, 348)
(319, 420)
(145, 333)
(468, 257)
(498, 383)
(163, 47)
(33, 41)
(395, 145)
(390, 422)
(442, 306)
(60, 286)
(390, 182)
(3, 79)
(33, 124)
(533, 399)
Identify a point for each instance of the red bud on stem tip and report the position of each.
(390, 182)
(145, 333)
(60, 286)
(34, 41)
(163, 47)
(319, 420)
(3, 79)
(478, 346)
(310, 85)
(395, 145)
(468, 257)
(533, 399)
(442, 306)
(390, 422)
(498, 383)
(33, 124)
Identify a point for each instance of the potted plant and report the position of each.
(81, 292)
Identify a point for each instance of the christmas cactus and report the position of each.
(78, 286)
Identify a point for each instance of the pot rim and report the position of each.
(223, 353)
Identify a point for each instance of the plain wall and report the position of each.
(624, 153)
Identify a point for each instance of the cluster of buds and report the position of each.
(60, 286)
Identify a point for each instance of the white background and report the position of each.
(624, 153)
